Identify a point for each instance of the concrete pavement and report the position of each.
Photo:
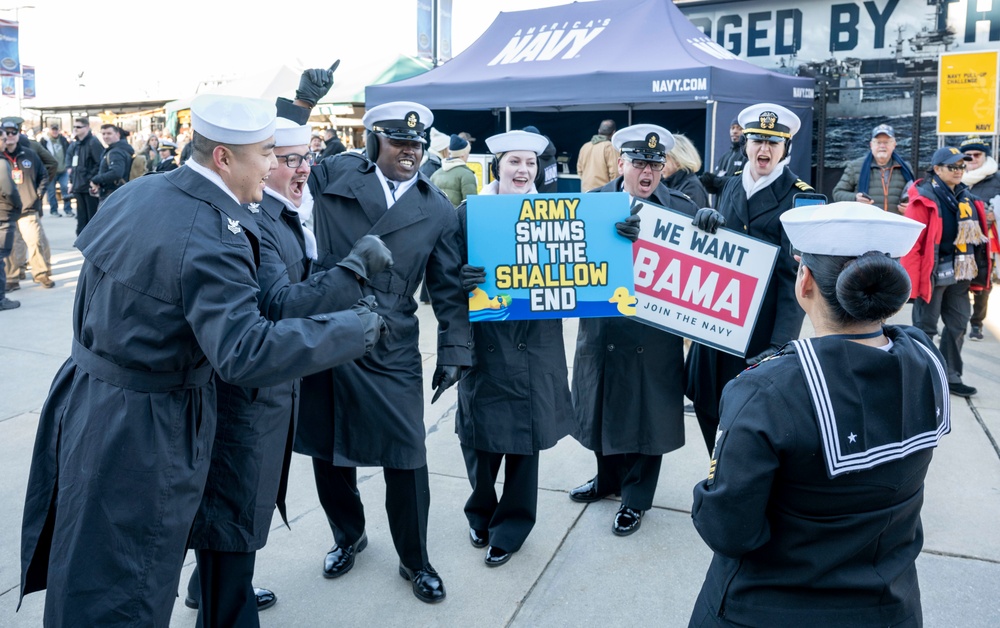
(572, 571)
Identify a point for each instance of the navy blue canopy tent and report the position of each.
(639, 56)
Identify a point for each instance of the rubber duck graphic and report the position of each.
(479, 300)
(625, 301)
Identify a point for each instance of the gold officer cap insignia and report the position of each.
(768, 120)
(412, 119)
(652, 140)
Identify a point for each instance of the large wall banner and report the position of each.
(706, 287)
(550, 256)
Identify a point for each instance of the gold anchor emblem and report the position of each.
(652, 140)
(411, 120)
(768, 120)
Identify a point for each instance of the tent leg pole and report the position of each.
(630, 115)
(508, 118)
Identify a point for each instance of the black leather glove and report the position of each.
(315, 83)
(369, 257)
(713, 183)
(707, 219)
(472, 276)
(374, 324)
(763, 355)
(445, 376)
(629, 228)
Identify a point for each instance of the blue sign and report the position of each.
(10, 60)
(550, 256)
(7, 86)
(28, 81)
(425, 30)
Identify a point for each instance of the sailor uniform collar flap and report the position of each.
(862, 418)
(204, 190)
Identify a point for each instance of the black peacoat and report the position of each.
(370, 412)
(780, 317)
(167, 296)
(253, 439)
(515, 398)
(628, 378)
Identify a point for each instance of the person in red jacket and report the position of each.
(949, 256)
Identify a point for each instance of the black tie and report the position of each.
(392, 189)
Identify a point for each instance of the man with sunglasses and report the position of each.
(370, 412)
(30, 177)
(948, 258)
(751, 203)
(984, 181)
(85, 162)
(628, 378)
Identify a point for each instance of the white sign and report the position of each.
(707, 287)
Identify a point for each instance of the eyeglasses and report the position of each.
(955, 167)
(293, 160)
(11, 132)
(640, 164)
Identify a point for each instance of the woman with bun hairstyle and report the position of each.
(812, 501)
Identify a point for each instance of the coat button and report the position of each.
(639, 349)
(521, 346)
(611, 347)
(490, 348)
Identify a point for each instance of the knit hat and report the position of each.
(974, 142)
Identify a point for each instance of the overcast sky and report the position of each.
(142, 50)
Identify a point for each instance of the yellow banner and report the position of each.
(967, 93)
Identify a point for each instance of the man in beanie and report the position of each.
(731, 161)
(880, 177)
(436, 153)
(945, 261)
(124, 439)
(370, 412)
(547, 179)
(455, 178)
(597, 163)
(984, 181)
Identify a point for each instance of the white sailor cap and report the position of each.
(648, 142)
(769, 122)
(400, 120)
(288, 133)
(849, 228)
(232, 119)
(517, 140)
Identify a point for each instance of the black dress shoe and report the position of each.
(627, 521)
(962, 390)
(587, 493)
(427, 584)
(479, 538)
(339, 560)
(265, 599)
(496, 556)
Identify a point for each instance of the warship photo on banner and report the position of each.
(876, 48)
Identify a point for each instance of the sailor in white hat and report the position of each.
(629, 433)
(378, 419)
(828, 442)
(751, 203)
(248, 457)
(167, 298)
(494, 435)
